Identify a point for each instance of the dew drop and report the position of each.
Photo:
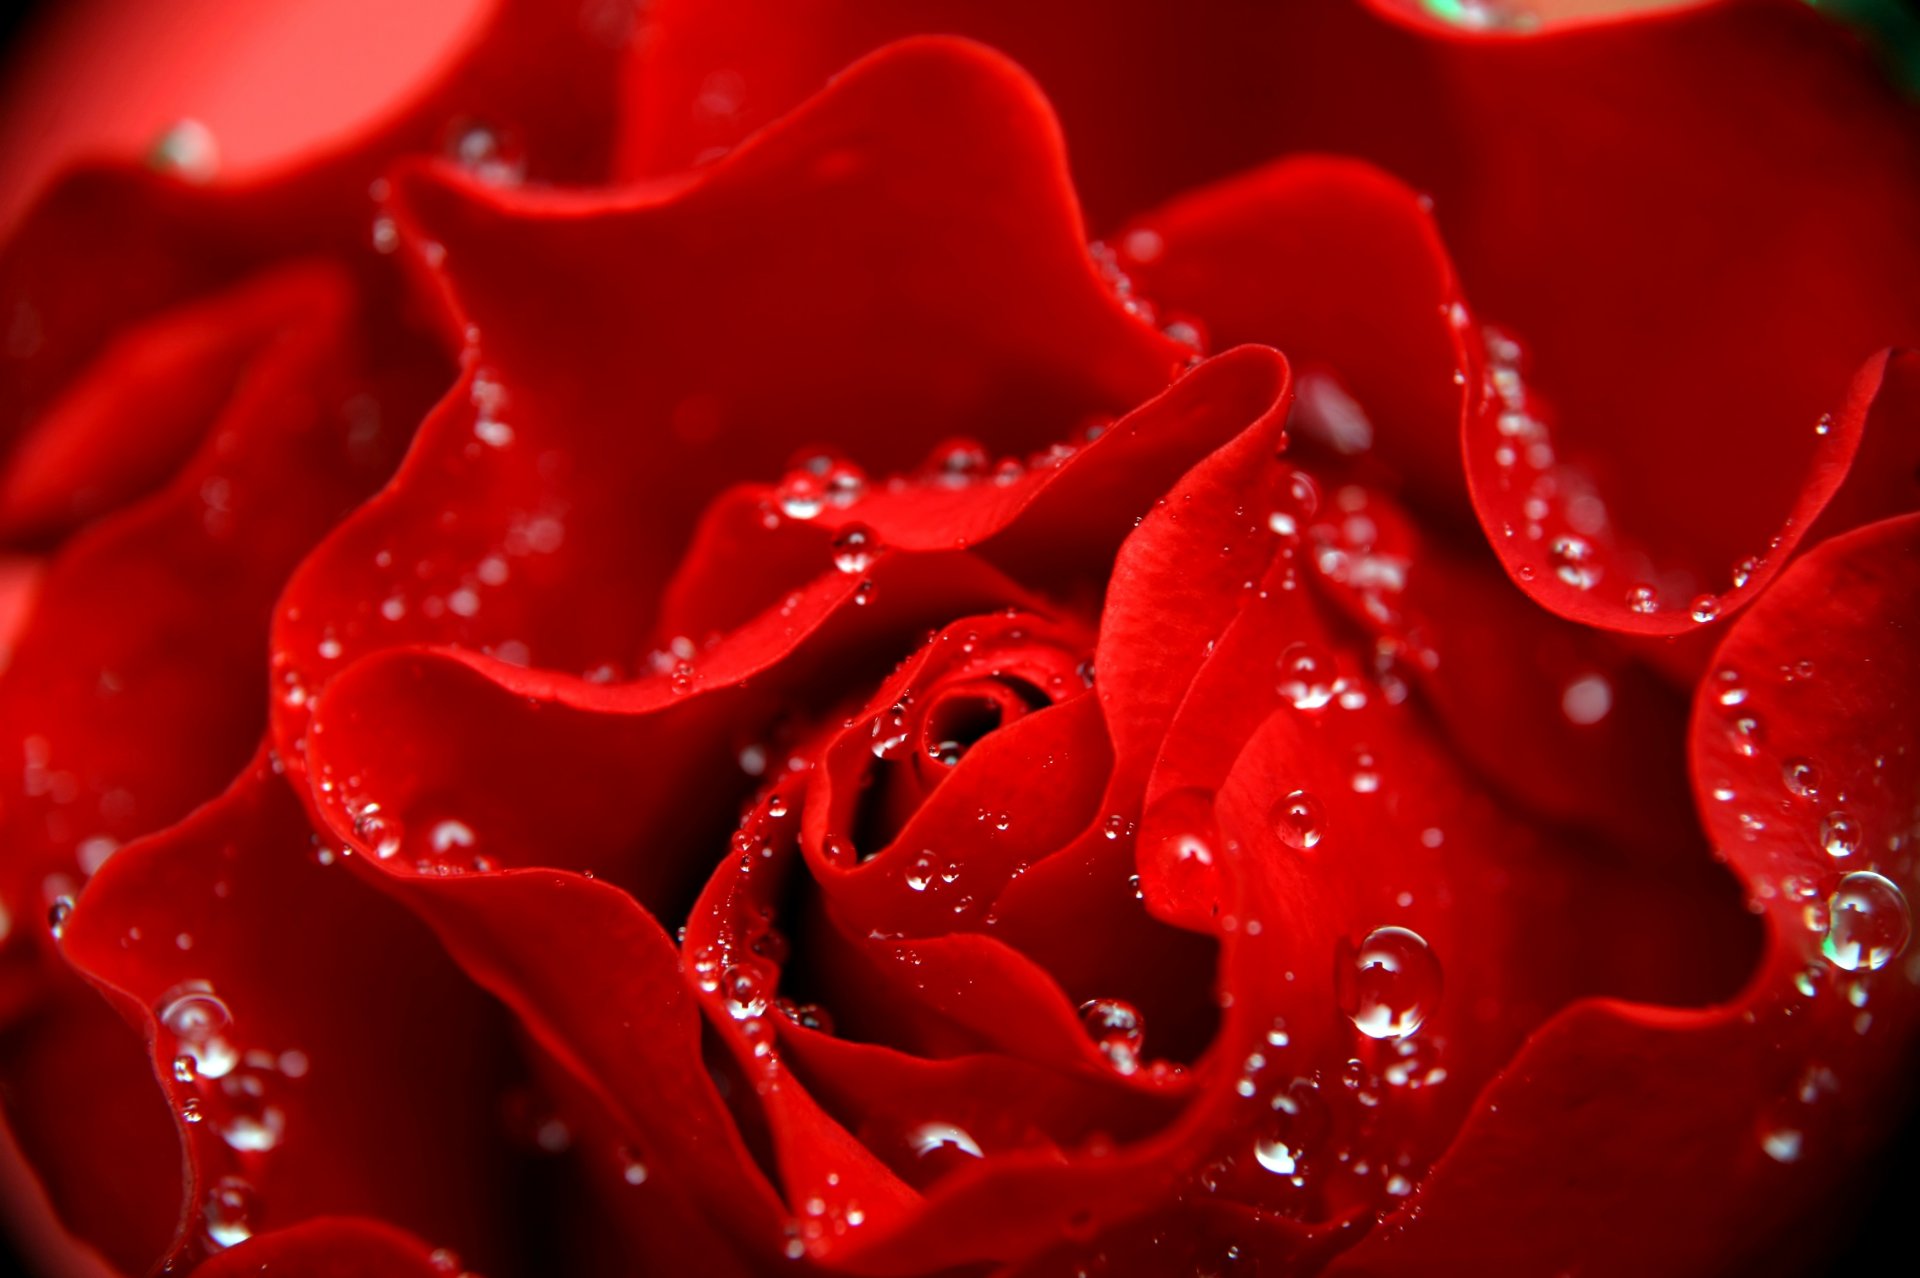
(1781, 1143)
(1840, 834)
(188, 151)
(57, 915)
(1643, 599)
(1117, 1029)
(1295, 505)
(192, 1013)
(1867, 922)
(229, 1212)
(928, 1139)
(632, 1170)
(958, 462)
(802, 494)
(1573, 562)
(1802, 778)
(1299, 820)
(378, 832)
(1389, 984)
(1587, 700)
(855, 547)
(746, 992)
(1704, 608)
(185, 1070)
(1306, 676)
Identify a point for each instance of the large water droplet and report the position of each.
(188, 150)
(855, 547)
(1573, 562)
(1840, 833)
(1117, 1029)
(1705, 608)
(1390, 983)
(1294, 506)
(746, 992)
(229, 1212)
(1867, 922)
(930, 1139)
(1802, 777)
(1299, 820)
(1306, 676)
(802, 494)
(193, 1013)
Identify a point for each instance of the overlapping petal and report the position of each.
(290, 1017)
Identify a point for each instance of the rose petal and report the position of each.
(109, 245)
(96, 1135)
(1760, 1106)
(334, 1247)
(155, 654)
(1340, 266)
(295, 1082)
(889, 179)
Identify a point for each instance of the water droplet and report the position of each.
(57, 915)
(1295, 1124)
(378, 832)
(1746, 736)
(1117, 1029)
(1295, 505)
(192, 1013)
(958, 462)
(1389, 984)
(487, 154)
(184, 1069)
(1704, 608)
(254, 1128)
(229, 1212)
(855, 547)
(1573, 562)
(188, 151)
(1299, 820)
(802, 494)
(1802, 777)
(1366, 772)
(1840, 834)
(921, 873)
(1744, 570)
(1587, 700)
(444, 1260)
(930, 1138)
(1643, 599)
(746, 992)
(1781, 1143)
(632, 1170)
(1867, 922)
(1306, 676)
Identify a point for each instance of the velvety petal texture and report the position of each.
(720, 645)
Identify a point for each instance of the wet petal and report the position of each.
(1762, 1105)
(295, 1084)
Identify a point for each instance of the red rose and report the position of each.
(644, 665)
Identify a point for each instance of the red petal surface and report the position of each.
(1756, 1108)
(309, 1012)
(160, 656)
(857, 317)
(109, 245)
(333, 1247)
(1568, 177)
